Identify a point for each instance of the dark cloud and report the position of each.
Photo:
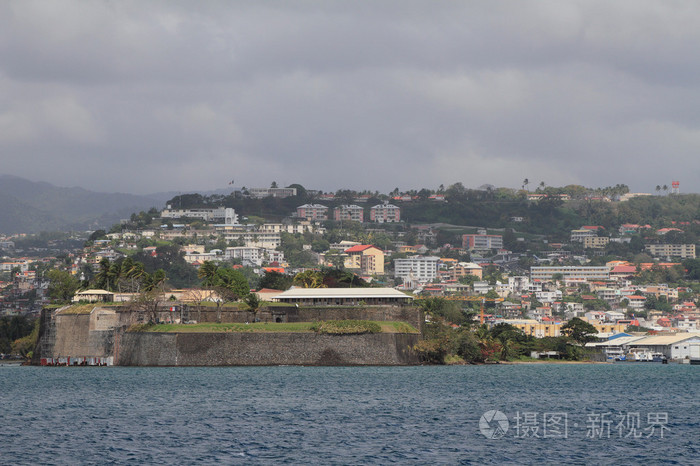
(146, 96)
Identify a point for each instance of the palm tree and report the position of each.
(665, 188)
(525, 183)
(102, 276)
(658, 188)
(207, 273)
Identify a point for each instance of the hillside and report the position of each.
(30, 207)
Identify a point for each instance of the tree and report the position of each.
(253, 302)
(207, 273)
(276, 281)
(102, 277)
(62, 286)
(309, 279)
(579, 331)
(230, 285)
(147, 303)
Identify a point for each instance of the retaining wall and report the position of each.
(261, 349)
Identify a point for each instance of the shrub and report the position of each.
(346, 327)
(432, 351)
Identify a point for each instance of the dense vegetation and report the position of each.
(452, 335)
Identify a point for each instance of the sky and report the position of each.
(148, 96)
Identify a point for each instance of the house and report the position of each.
(93, 296)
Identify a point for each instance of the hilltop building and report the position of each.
(227, 214)
(312, 212)
(260, 193)
(385, 213)
(349, 212)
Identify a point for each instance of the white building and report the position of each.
(672, 346)
(571, 273)
(253, 256)
(422, 269)
(259, 193)
(227, 214)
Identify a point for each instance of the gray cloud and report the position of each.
(144, 96)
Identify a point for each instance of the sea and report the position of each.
(490, 414)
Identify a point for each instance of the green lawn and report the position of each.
(261, 327)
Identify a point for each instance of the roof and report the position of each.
(661, 340)
(620, 341)
(304, 293)
(94, 292)
(624, 269)
(360, 248)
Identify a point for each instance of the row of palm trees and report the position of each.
(127, 276)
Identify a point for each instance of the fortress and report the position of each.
(104, 334)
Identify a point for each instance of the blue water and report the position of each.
(346, 415)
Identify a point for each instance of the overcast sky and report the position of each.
(146, 96)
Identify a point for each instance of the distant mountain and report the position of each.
(29, 207)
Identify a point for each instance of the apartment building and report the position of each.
(570, 272)
(313, 212)
(352, 212)
(579, 235)
(422, 269)
(595, 242)
(684, 251)
(482, 241)
(365, 257)
(385, 213)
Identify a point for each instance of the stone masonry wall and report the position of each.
(254, 349)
